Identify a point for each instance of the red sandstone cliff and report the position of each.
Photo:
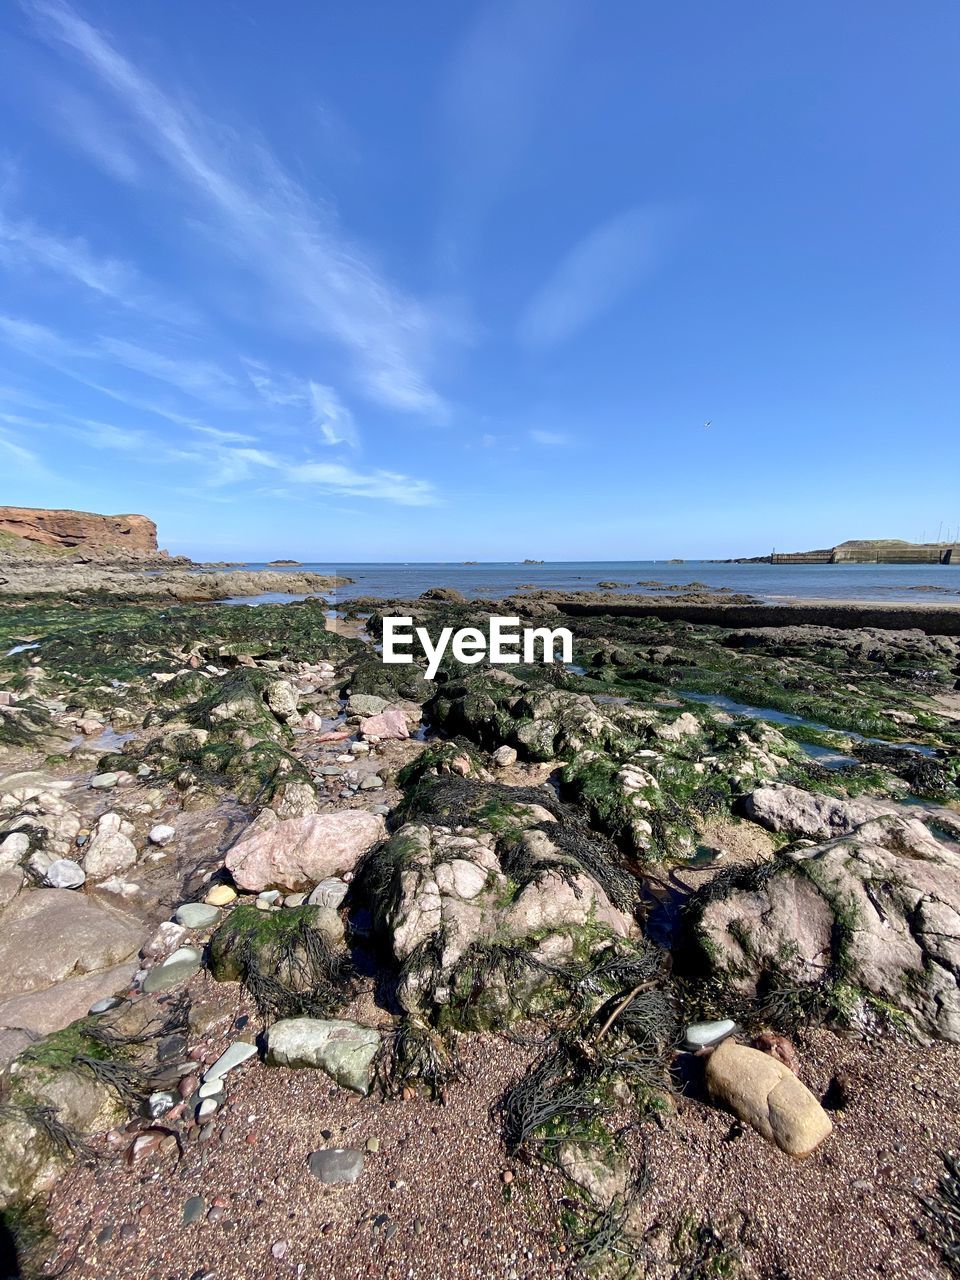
(80, 529)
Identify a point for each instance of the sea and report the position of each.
(770, 583)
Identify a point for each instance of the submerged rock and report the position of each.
(64, 874)
(390, 723)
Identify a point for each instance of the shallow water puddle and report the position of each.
(107, 742)
(772, 716)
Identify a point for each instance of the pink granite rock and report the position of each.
(387, 724)
(300, 852)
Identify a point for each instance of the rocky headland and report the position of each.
(309, 965)
(79, 556)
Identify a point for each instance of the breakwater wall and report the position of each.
(937, 620)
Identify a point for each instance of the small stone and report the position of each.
(506, 1177)
(329, 893)
(373, 1145)
(210, 1089)
(220, 895)
(196, 915)
(193, 1210)
(279, 1249)
(335, 1165)
(372, 782)
(64, 873)
(231, 1057)
(104, 781)
(294, 899)
(504, 757)
(105, 1235)
(188, 1086)
(703, 1035)
(104, 1005)
(207, 1108)
(158, 1104)
(179, 967)
(269, 896)
(161, 834)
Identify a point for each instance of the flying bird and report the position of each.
(708, 424)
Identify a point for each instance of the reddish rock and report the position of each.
(387, 724)
(300, 852)
(81, 529)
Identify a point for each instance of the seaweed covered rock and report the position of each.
(863, 926)
(646, 777)
(486, 893)
(293, 961)
(297, 853)
(391, 681)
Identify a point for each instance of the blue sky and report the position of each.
(445, 281)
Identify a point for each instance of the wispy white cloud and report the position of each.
(388, 485)
(202, 379)
(95, 132)
(320, 277)
(22, 459)
(25, 244)
(550, 438)
(220, 459)
(333, 418)
(601, 268)
(495, 94)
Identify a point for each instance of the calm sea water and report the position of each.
(769, 582)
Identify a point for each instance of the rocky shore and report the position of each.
(80, 582)
(310, 966)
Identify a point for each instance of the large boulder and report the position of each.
(297, 853)
(764, 1093)
(810, 814)
(445, 896)
(50, 935)
(870, 920)
(57, 1006)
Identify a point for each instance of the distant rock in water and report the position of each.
(449, 595)
(78, 530)
(273, 564)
